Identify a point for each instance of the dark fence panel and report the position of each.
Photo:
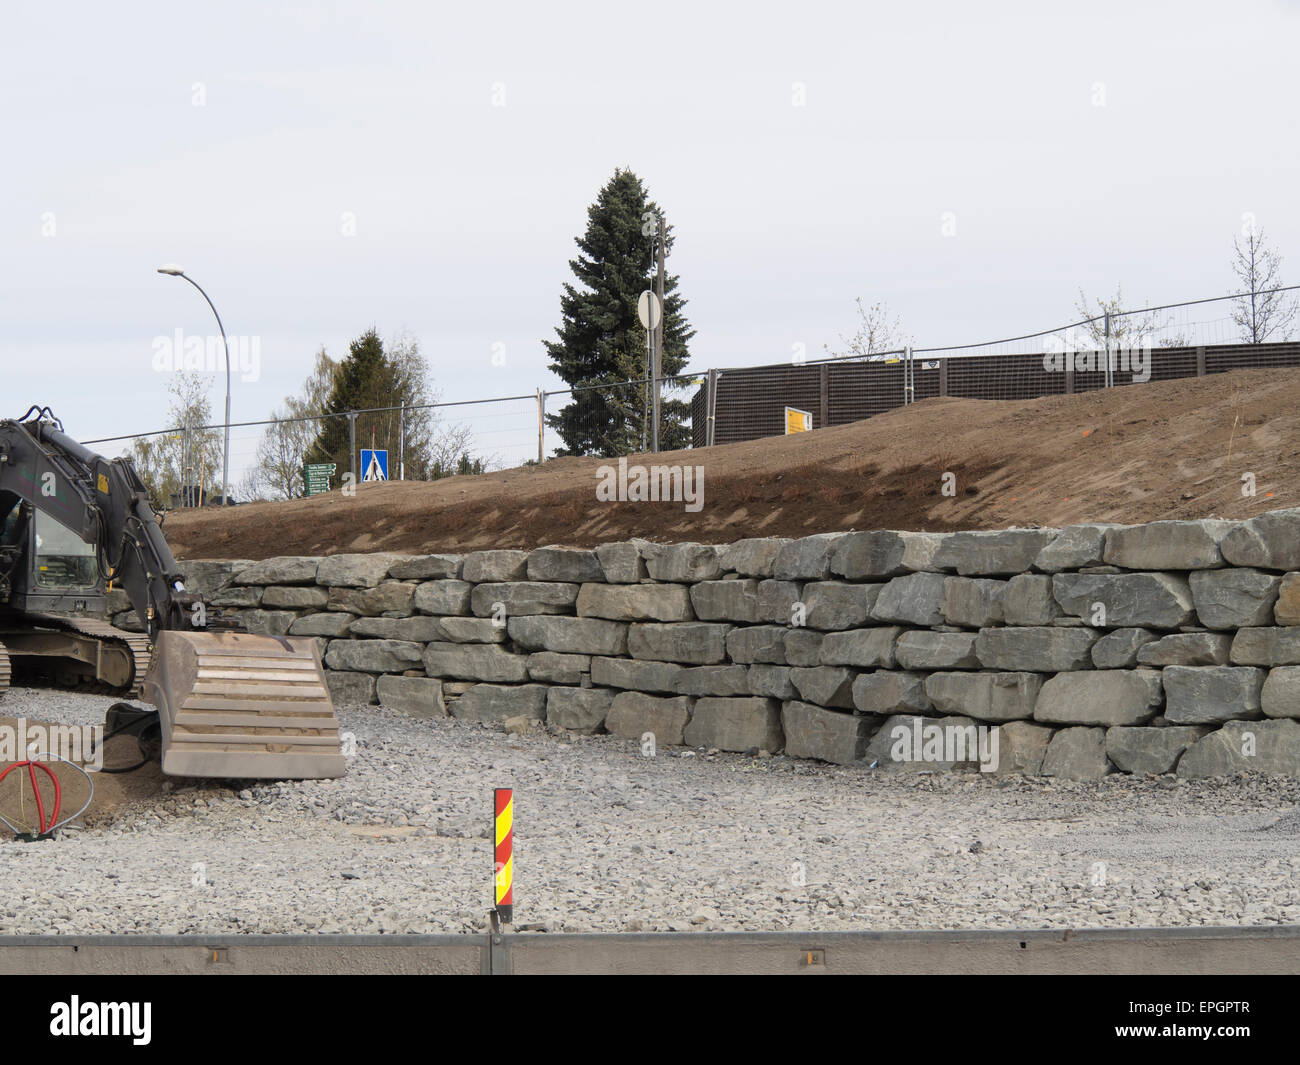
(751, 401)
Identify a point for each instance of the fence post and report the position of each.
(825, 382)
(401, 443)
(541, 425)
(352, 446)
(711, 408)
(1106, 345)
(1200, 361)
(943, 377)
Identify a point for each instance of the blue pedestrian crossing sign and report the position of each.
(374, 465)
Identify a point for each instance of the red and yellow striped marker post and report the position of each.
(505, 845)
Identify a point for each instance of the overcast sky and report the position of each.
(806, 154)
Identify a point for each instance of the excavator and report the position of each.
(230, 703)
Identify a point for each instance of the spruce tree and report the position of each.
(601, 341)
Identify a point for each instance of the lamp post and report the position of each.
(172, 270)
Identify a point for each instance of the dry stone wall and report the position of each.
(1170, 646)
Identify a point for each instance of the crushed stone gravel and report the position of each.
(609, 840)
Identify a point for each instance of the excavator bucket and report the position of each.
(234, 704)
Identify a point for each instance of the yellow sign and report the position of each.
(103, 484)
(797, 421)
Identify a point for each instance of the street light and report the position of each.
(173, 270)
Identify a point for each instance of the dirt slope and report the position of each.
(1174, 449)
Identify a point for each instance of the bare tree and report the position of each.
(188, 455)
(1261, 312)
(877, 334)
(277, 471)
(1127, 328)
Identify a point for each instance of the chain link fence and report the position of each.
(611, 419)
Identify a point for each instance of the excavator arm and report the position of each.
(230, 704)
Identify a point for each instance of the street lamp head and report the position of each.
(172, 269)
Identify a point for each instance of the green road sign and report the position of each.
(316, 477)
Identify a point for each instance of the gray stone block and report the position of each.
(206, 577)
(972, 602)
(806, 559)
(1029, 600)
(771, 682)
(268, 622)
(1280, 695)
(1119, 649)
(1271, 646)
(328, 624)
(480, 567)
(824, 685)
(1187, 649)
(991, 554)
(888, 692)
(681, 562)
(392, 598)
(564, 564)
(355, 571)
(425, 568)
(735, 600)
(580, 710)
(1150, 750)
(1077, 754)
(803, 647)
(1038, 648)
(1021, 748)
(752, 558)
(410, 630)
(720, 680)
(632, 714)
(1100, 697)
(936, 650)
(518, 598)
(290, 569)
(290, 597)
(350, 689)
(1196, 695)
(1167, 545)
(636, 676)
(497, 703)
(698, 643)
(252, 595)
(1151, 600)
(1074, 547)
(920, 745)
(862, 648)
(551, 667)
(985, 696)
(636, 602)
(1286, 611)
(779, 602)
(757, 643)
(1234, 598)
(1244, 747)
(834, 605)
(414, 696)
(593, 636)
(828, 735)
(884, 553)
(736, 725)
(915, 599)
(1270, 541)
(467, 630)
(374, 656)
(475, 661)
(621, 563)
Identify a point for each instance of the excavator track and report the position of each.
(136, 643)
(6, 671)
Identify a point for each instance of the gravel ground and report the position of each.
(607, 840)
